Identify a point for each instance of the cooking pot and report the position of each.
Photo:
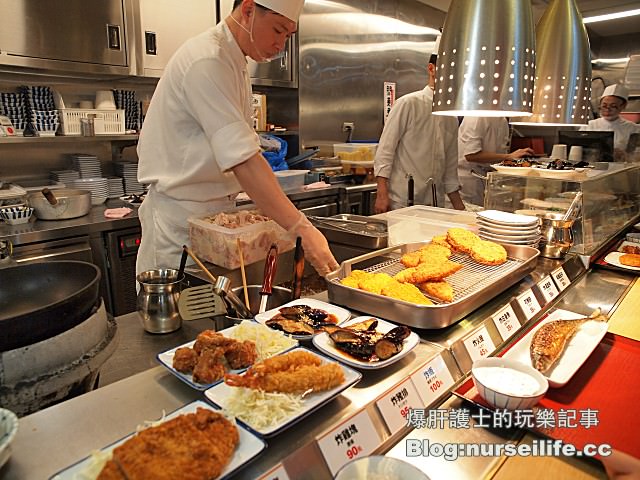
(60, 205)
(43, 299)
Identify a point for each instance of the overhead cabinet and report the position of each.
(64, 35)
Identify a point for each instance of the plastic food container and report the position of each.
(218, 245)
(290, 179)
(421, 223)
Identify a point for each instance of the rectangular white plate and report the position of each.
(339, 312)
(324, 343)
(249, 446)
(219, 394)
(613, 258)
(575, 353)
(166, 360)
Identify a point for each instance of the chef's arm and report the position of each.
(383, 203)
(259, 182)
(493, 157)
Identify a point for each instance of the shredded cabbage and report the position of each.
(96, 463)
(262, 409)
(268, 342)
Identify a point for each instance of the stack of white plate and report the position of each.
(129, 173)
(64, 176)
(99, 188)
(509, 228)
(87, 165)
(116, 187)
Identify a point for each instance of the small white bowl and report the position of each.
(8, 430)
(507, 384)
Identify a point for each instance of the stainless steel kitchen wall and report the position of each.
(347, 50)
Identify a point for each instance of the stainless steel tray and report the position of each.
(367, 233)
(473, 286)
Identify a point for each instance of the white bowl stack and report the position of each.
(99, 188)
(509, 228)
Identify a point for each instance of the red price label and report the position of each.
(435, 385)
(354, 451)
(404, 412)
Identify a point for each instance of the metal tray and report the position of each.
(474, 285)
(371, 234)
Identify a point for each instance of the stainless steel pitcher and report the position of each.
(557, 236)
(158, 300)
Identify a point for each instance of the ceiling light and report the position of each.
(611, 16)
(563, 68)
(486, 44)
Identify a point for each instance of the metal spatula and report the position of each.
(200, 302)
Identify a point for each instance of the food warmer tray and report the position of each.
(474, 285)
(355, 230)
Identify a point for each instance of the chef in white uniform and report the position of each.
(197, 148)
(415, 142)
(613, 101)
(482, 141)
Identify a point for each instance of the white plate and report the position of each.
(248, 447)
(521, 171)
(575, 353)
(567, 174)
(507, 218)
(339, 312)
(509, 238)
(219, 394)
(613, 258)
(508, 231)
(324, 343)
(166, 359)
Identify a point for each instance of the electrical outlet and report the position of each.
(348, 126)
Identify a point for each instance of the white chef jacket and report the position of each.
(415, 142)
(476, 134)
(621, 128)
(197, 128)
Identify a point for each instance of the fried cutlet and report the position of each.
(630, 259)
(374, 282)
(406, 292)
(425, 254)
(353, 278)
(425, 272)
(633, 249)
(488, 253)
(440, 290)
(194, 446)
(461, 240)
(440, 240)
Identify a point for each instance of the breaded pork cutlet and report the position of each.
(430, 252)
(442, 290)
(488, 253)
(428, 272)
(462, 240)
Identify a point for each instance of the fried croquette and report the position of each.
(630, 259)
(426, 272)
(430, 252)
(407, 292)
(442, 290)
(488, 253)
(461, 240)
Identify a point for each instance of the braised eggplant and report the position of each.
(363, 341)
(301, 320)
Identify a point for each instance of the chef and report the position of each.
(418, 144)
(197, 148)
(613, 101)
(481, 142)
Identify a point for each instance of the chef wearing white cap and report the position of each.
(613, 101)
(197, 148)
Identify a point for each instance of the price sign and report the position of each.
(506, 322)
(561, 278)
(276, 473)
(354, 438)
(529, 304)
(396, 403)
(432, 380)
(479, 345)
(548, 289)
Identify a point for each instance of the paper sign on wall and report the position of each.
(389, 98)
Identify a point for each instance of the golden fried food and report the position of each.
(241, 354)
(461, 240)
(630, 259)
(209, 368)
(353, 278)
(633, 249)
(440, 290)
(375, 282)
(441, 240)
(185, 359)
(426, 272)
(210, 339)
(430, 252)
(295, 372)
(488, 253)
(195, 446)
(407, 292)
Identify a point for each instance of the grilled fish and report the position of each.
(550, 340)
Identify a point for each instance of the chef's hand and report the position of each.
(522, 152)
(382, 204)
(316, 248)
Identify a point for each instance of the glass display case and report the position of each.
(610, 201)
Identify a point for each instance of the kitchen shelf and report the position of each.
(67, 139)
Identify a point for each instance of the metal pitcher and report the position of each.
(557, 236)
(158, 300)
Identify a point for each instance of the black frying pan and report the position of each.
(41, 300)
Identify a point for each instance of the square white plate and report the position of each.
(219, 394)
(248, 447)
(339, 312)
(585, 340)
(324, 343)
(613, 258)
(166, 360)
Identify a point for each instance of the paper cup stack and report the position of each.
(509, 228)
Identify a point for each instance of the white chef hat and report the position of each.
(616, 90)
(288, 8)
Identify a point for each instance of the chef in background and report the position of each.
(481, 142)
(197, 147)
(415, 142)
(613, 101)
